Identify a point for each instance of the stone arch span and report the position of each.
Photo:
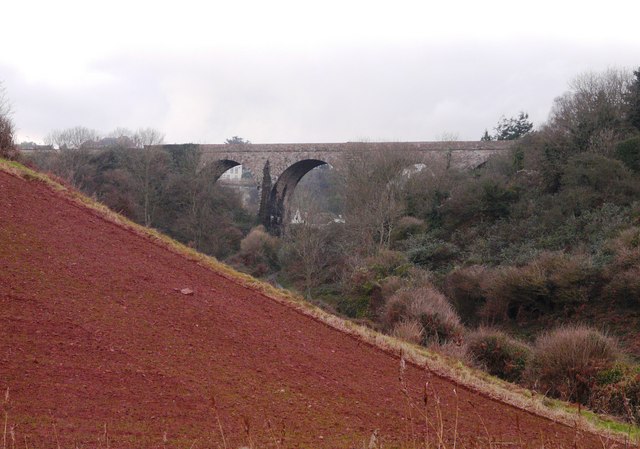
(216, 168)
(282, 192)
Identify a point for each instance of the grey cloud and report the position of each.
(381, 93)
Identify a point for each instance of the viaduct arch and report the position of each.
(286, 164)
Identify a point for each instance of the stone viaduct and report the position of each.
(286, 164)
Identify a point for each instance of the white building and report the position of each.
(233, 174)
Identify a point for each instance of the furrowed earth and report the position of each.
(101, 347)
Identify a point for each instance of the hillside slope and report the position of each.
(99, 347)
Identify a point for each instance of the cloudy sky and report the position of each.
(302, 71)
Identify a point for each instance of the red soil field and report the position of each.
(98, 348)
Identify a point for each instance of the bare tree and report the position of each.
(150, 163)
(7, 144)
(121, 132)
(430, 185)
(449, 136)
(147, 136)
(308, 246)
(72, 138)
(73, 161)
(372, 188)
(5, 106)
(586, 117)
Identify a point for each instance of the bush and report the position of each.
(392, 284)
(551, 282)
(569, 277)
(413, 277)
(363, 283)
(514, 292)
(566, 362)
(624, 288)
(431, 253)
(590, 180)
(618, 393)
(498, 354)
(465, 288)
(623, 273)
(497, 199)
(407, 227)
(259, 251)
(429, 308)
(626, 250)
(387, 263)
(628, 151)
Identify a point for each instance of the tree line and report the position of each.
(157, 187)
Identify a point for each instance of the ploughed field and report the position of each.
(100, 348)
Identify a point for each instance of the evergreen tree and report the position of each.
(486, 137)
(514, 127)
(634, 100)
(263, 213)
(236, 140)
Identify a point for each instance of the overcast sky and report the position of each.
(302, 71)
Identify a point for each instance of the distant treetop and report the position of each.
(235, 140)
(510, 128)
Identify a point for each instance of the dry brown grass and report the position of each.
(409, 330)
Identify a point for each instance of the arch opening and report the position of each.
(282, 192)
(231, 175)
(216, 169)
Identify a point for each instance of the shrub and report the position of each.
(624, 288)
(355, 307)
(626, 250)
(618, 392)
(407, 227)
(413, 277)
(391, 285)
(387, 263)
(496, 199)
(498, 354)
(567, 360)
(623, 273)
(371, 270)
(259, 251)
(364, 280)
(464, 286)
(515, 291)
(429, 308)
(569, 277)
(628, 151)
(431, 253)
(591, 180)
(551, 282)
